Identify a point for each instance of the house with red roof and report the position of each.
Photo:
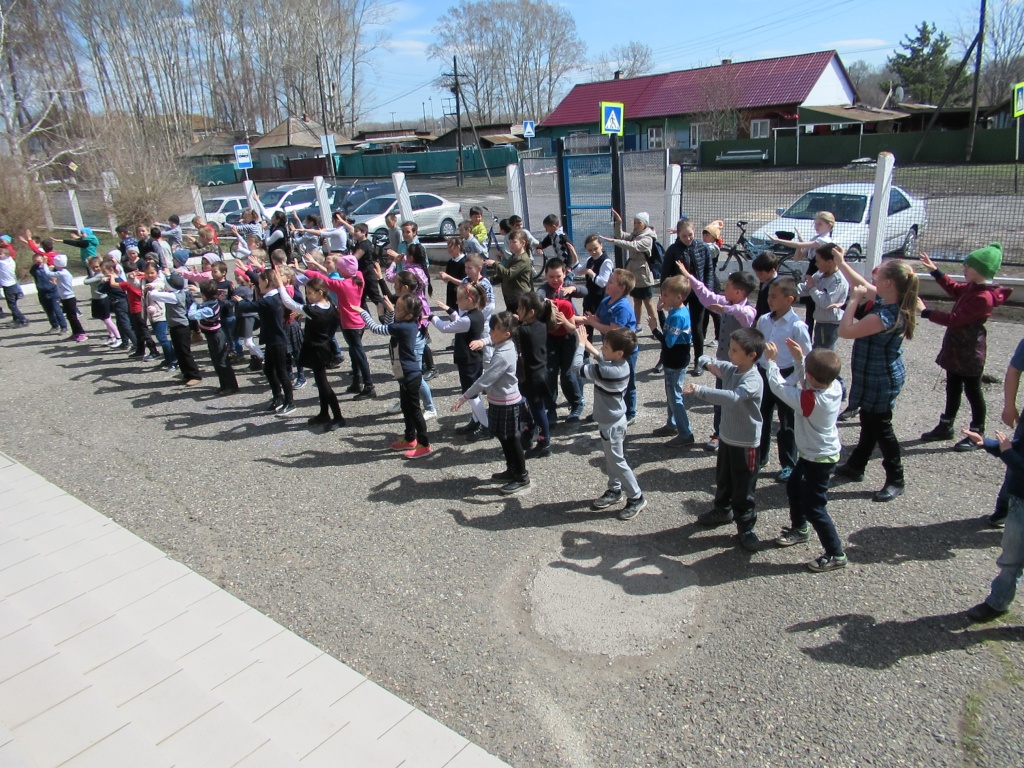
(731, 100)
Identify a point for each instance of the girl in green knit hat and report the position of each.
(962, 355)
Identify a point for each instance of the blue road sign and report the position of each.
(243, 157)
(613, 117)
(529, 129)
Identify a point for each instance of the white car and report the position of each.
(216, 209)
(433, 215)
(288, 198)
(851, 205)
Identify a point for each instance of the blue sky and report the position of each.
(699, 34)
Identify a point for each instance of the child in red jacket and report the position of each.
(962, 355)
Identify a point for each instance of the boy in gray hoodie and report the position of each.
(611, 377)
(740, 397)
(816, 398)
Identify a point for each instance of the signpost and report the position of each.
(243, 158)
(613, 118)
(529, 131)
(1018, 113)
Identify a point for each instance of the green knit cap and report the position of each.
(987, 260)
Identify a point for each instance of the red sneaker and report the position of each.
(403, 445)
(419, 452)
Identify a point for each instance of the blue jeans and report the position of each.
(426, 396)
(1011, 560)
(52, 308)
(160, 331)
(676, 407)
(631, 387)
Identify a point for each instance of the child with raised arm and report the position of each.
(963, 350)
(824, 223)
(675, 340)
(515, 273)
(99, 303)
(401, 323)
(66, 292)
(781, 323)
(816, 397)
(118, 298)
(46, 290)
(610, 377)
(467, 323)
(737, 312)
(275, 365)
(209, 315)
(876, 364)
(503, 401)
(739, 393)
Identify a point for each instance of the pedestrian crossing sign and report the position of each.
(1018, 100)
(613, 117)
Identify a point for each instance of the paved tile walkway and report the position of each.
(112, 654)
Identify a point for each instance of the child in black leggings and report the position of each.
(271, 312)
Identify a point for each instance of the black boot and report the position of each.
(366, 393)
(944, 431)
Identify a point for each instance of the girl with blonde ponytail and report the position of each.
(889, 316)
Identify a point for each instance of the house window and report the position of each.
(696, 134)
(655, 137)
(760, 129)
(279, 161)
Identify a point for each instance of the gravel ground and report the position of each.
(551, 635)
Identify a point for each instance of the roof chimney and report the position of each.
(305, 117)
(726, 61)
(618, 74)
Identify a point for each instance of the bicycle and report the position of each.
(738, 251)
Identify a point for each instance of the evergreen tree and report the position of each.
(923, 67)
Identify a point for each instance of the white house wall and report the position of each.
(833, 88)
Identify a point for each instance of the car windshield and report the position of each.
(271, 198)
(844, 206)
(374, 207)
(212, 206)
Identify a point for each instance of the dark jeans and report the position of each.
(360, 366)
(217, 341)
(736, 478)
(70, 307)
(561, 350)
(956, 386)
(412, 414)
(328, 399)
(160, 331)
(51, 306)
(275, 365)
(124, 324)
(714, 318)
(515, 457)
(787, 440)
(469, 372)
(142, 337)
(876, 429)
(181, 340)
(630, 395)
(697, 325)
(12, 293)
(807, 490)
(539, 401)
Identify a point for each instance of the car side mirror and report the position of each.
(779, 211)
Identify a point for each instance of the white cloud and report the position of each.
(407, 47)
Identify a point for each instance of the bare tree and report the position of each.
(716, 113)
(871, 82)
(514, 55)
(1003, 53)
(632, 59)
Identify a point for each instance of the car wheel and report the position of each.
(211, 183)
(448, 229)
(854, 253)
(909, 249)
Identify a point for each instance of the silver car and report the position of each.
(433, 215)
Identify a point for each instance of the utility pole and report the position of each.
(424, 105)
(458, 118)
(977, 76)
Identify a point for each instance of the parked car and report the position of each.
(851, 205)
(288, 198)
(217, 209)
(348, 197)
(434, 215)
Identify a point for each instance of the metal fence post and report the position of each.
(76, 212)
(563, 188)
(253, 198)
(514, 187)
(879, 212)
(109, 185)
(197, 201)
(673, 197)
(618, 192)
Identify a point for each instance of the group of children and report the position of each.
(513, 363)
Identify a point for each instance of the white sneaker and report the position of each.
(395, 407)
(114, 343)
(428, 415)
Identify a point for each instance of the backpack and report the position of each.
(656, 258)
